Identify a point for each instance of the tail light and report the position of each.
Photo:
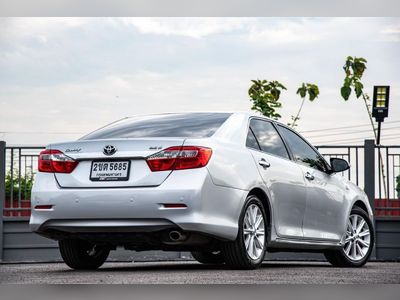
(179, 158)
(54, 161)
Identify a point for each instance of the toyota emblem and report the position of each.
(109, 150)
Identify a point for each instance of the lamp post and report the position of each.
(380, 107)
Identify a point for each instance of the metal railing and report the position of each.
(387, 194)
(20, 167)
(386, 169)
(383, 162)
(354, 156)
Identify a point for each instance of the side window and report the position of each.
(302, 152)
(268, 138)
(251, 141)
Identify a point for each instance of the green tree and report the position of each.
(354, 69)
(398, 186)
(305, 89)
(265, 97)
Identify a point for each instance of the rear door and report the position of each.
(126, 167)
(325, 192)
(283, 178)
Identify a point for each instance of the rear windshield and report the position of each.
(196, 125)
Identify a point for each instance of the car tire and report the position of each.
(353, 253)
(248, 250)
(82, 255)
(209, 258)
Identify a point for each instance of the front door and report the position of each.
(323, 218)
(325, 192)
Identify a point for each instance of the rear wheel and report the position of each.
(213, 258)
(248, 250)
(358, 244)
(82, 255)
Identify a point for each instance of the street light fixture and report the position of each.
(380, 107)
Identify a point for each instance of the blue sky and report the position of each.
(63, 77)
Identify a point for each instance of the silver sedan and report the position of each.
(226, 186)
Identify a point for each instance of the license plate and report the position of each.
(110, 171)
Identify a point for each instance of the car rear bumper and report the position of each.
(211, 209)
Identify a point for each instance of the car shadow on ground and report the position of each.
(194, 266)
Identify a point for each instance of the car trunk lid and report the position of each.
(131, 151)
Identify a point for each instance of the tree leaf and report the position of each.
(358, 88)
(311, 95)
(265, 97)
(358, 91)
(302, 90)
(347, 80)
(345, 92)
(313, 91)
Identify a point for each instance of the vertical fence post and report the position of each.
(369, 177)
(2, 191)
(369, 171)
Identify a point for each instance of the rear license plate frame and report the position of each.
(106, 179)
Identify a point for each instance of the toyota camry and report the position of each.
(228, 187)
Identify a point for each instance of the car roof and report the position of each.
(245, 113)
(248, 114)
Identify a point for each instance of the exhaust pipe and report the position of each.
(176, 236)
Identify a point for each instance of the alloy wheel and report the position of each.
(254, 231)
(358, 238)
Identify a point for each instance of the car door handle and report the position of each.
(262, 162)
(309, 176)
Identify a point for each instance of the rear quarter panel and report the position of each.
(231, 164)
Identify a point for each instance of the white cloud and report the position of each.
(78, 74)
(265, 31)
(284, 33)
(188, 27)
(13, 29)
(392, 33)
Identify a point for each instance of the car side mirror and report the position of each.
(339, 165)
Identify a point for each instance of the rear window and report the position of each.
(195, 125)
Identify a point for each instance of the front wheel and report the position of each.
(82, 255)
(358, 243)
(248, 250)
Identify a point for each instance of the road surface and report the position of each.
(189, 272)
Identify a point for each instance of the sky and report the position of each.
(63, 77)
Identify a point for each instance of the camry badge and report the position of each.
(155, 148)
(109, 150)
(73, 150)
